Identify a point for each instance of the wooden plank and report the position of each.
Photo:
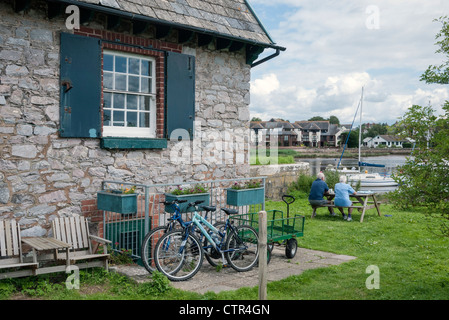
(78, 222)
(2, 239)
(15, 243)
(56, 230)
(62, 229)
(8, 238)
(20, 243)
(21, 273)
(67, 231)
(85, 233)
(73, 232)
(4, 263)
(16, 265)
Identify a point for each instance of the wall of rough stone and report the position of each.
(43, 176)
(279, 177)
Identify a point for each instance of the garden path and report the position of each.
(280, 267)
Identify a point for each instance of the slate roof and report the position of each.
(232, 18)
(391, 138)
(312, 125)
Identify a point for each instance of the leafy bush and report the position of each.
(302, 184)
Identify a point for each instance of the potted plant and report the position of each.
(191, 194)
(123, 200)
(251, 192)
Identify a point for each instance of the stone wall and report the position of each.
(43, 176)
(279, 177)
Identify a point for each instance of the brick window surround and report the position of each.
(134, 44)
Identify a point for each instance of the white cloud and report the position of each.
(331, 54)
(265, 85)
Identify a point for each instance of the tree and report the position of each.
(353, 141)
(440, 74)
(334, 120)
(423, 179)
(256, 119)
(376, 129)
(317, 118)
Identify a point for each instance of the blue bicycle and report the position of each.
(179, 253)
(174, 222)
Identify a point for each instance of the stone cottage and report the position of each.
(94, 89)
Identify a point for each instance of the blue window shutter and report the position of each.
(180, 92)
(80, 86)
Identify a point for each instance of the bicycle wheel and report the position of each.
(211, 254)
(242, 249)
(148, 245)
(178, 256)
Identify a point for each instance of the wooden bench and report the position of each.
(75, 231)
(11, 255)
(362, 201)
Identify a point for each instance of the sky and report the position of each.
(336, 47)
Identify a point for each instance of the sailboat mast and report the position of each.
(360, 128)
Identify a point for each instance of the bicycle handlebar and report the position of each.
(191, 204)
(167, 203)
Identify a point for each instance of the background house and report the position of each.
(307, 133)
(282, 131)
(101, 100)
(388, 141)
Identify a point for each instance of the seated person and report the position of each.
(319, 188)
(342, 192)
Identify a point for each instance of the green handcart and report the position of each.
(281, 229)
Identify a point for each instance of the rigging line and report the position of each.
(349, 133)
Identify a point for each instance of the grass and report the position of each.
(406, 247)
(284, 156)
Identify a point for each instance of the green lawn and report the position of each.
(412, 260)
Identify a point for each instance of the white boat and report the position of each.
(368, 181)
(342, 170)
(371, 180)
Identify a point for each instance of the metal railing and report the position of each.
(127, 231)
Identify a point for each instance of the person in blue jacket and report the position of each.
(318, 190)
(342, 192)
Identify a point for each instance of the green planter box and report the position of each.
(189, 198)
(117, 202)
(245, 197)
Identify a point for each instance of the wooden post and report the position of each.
(262, 255)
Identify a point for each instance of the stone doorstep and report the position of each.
(208, 279)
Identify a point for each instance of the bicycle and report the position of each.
(151, 238)
(179, 254)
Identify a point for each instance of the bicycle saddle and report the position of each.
(209, 208)
(230, 211)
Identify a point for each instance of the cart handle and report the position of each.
(288, 196)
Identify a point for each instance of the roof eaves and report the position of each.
(161, 18)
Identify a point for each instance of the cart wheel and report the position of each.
(291, 247)
(270, 247)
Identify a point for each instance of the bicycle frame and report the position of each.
(198, 221)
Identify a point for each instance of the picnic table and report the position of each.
(40, 244)
(363, 201)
